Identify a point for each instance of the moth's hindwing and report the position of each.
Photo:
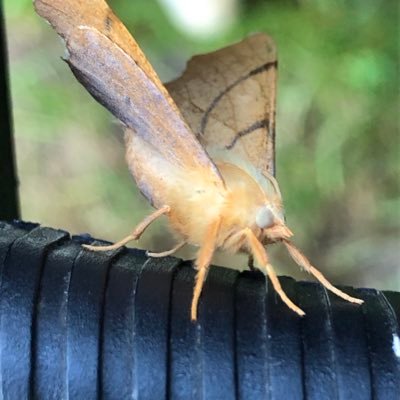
(228, 99)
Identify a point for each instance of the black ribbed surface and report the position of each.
(76, 324)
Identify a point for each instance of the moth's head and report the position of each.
(271, 220)
(270, 217)
(270, 214)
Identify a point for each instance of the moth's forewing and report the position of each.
(66, 16)
(162, 151)
(228, 99)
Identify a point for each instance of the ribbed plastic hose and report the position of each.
(75, 324)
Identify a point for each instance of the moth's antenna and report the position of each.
(274, 182)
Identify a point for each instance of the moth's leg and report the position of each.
(260, 254)
(250, 263)
(300, 259)
(168, 252)
(135, 234)
(203, 261)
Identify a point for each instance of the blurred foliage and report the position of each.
(338, 129)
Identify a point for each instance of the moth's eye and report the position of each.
(264, 217)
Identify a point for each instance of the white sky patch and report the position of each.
(396, 345)
(202, 18)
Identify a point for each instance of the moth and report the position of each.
(201, 149)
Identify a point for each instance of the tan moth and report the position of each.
(201, 152)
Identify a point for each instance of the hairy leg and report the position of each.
(135, 234)
(250, 263)
(203, 261)
(300, 259)
(260, 255)
(166, 253)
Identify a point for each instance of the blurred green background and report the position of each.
(337, 127)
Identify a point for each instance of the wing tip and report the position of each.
(262, 37)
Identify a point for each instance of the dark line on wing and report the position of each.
(108, 23)
(257, 125)
(255, 71)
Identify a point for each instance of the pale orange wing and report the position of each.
(228, 99)
(108, 62)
